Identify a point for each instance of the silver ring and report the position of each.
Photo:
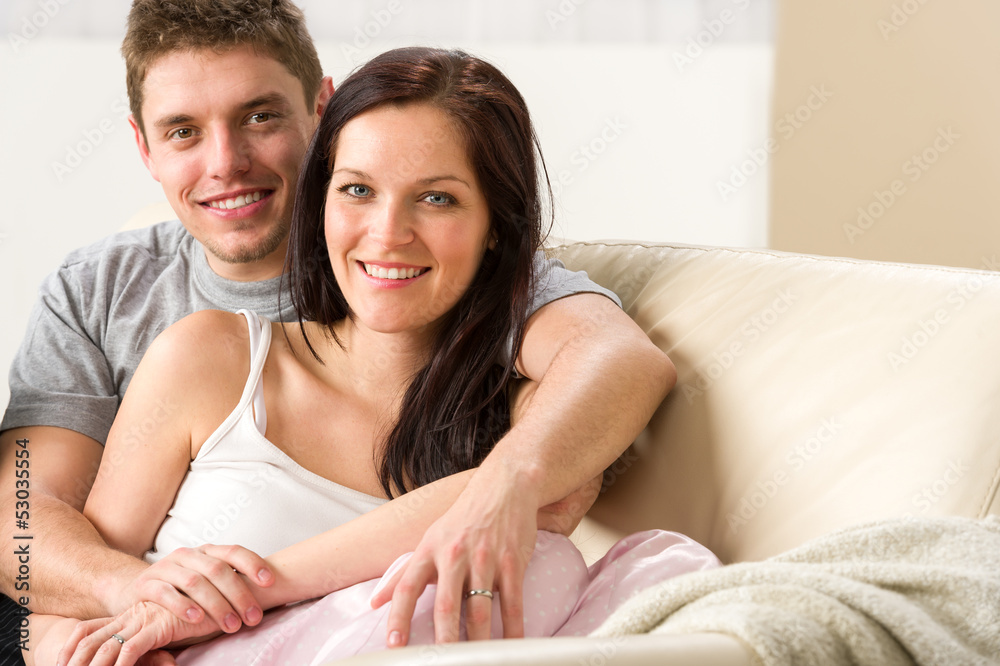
(485, 593)
(118, 638)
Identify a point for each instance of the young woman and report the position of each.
(411, 266)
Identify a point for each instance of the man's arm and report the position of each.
(600, 380)
(65, 549)
(72, 571)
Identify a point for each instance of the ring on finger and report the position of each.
(472, 593)
(118, 638)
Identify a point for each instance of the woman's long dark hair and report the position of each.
(456, 408)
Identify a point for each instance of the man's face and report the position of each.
(224, 136)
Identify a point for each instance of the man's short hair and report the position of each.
(275, 28)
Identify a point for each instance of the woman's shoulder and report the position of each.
(202, 345)
(198, 366)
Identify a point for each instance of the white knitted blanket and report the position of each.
(902, 591)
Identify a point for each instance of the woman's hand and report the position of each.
(123, 640)
(195, 583)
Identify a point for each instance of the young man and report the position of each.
(224, 99)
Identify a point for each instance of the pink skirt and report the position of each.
(562, 597)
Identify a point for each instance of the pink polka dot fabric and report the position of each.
(562, 597)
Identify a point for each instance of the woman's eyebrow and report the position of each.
(356, 172)
(435, 179)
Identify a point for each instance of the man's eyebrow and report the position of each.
(170, 121)
(269, 99)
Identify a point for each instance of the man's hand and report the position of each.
(193, 582)
(483, 542)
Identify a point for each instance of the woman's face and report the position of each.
(406, 221)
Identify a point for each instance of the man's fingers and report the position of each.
(163, 592)
(479, 611)
(407, 590)
(448, 604)
(386, 592)
(173, 580)
(247, 562)
(209, 582)
(512, 605)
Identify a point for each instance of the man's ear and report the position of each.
(325, 92)
(140, 142)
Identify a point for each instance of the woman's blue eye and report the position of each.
(358, 190)
(439, 198)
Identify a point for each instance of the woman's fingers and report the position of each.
(129, 638)
(97, 647)
(80, 632)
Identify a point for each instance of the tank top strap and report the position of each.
(260, 343)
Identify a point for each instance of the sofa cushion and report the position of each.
(813, 393)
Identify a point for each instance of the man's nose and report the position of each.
(229, 155)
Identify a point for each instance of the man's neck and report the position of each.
(254, 271)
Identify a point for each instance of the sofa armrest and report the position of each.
(706, 649)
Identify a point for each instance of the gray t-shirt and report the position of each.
(101, 309)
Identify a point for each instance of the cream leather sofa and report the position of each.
(813, 393)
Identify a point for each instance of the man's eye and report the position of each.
(261, 117)
(182, 133)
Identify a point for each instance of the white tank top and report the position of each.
(241, 489)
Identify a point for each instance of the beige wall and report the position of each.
(891, 107)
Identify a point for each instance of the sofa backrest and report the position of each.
(813, 393)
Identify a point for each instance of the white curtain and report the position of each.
(627, 21)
